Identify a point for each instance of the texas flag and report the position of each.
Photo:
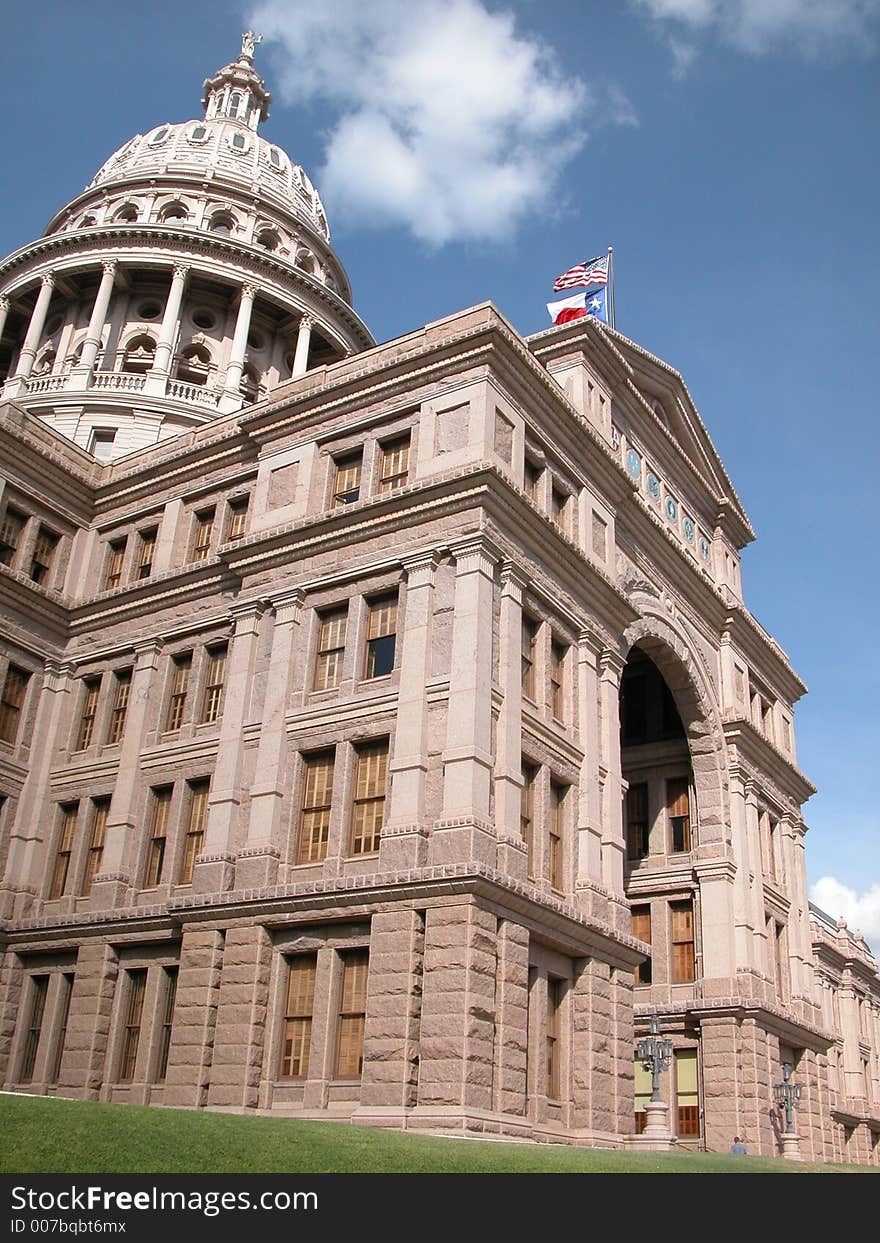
(582, 304)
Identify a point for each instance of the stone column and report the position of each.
(510, 1086)
(799, 941)
(34, 332)
(81, 374)
(594, 1106)
(195, 1017)
(301, 354)
(744, 948)
(4, 312)
(111, 886)
(590, 785)
(157, 376)
(404, 835)
(84, 1072)
(611, 667)
(512, 850)
(240, 1039)
(394, 1008)
(465, 831)
(762, 951)
(257, 862)
(235, 365)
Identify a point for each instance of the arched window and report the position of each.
(127, 214)
(174, 213)
(234, 103)
(275, 158)
(139, 355)
(222, 222)
(45, 362)
(305, 260)
(159, 136)
(194, 364)
(198, 134)
(268, 239)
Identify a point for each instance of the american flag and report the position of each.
(591, 272)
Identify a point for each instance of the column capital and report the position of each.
(591, 643)
(180, 271)
(474, 553)
(4, 302)
(420, 567)
(109, 266)
(611, 664)
(513, 581)
(306, 322)
(249, 290)
(48, 278)
(146, 651)
(244, 611)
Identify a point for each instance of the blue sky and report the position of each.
(727, 150)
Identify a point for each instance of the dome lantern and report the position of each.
(237, 92)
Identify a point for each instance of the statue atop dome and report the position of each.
(249, 41)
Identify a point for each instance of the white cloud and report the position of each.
(443, 117)
(860, 910)
(814, 27)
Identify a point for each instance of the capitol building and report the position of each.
(383, 735)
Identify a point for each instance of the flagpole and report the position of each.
(611, 285)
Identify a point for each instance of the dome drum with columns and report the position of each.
(192, 276)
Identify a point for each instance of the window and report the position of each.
(557, 681)
(780, 953)
(158, 836)
(174, 213)
(679, 812)
(202, 535)
(10, 533)
(61, 869)
(381, 637)
(120, 706)
(641, 930)
(213, 699)
(268, 239)
(134, 1010)
(529, 644)
(347, 483)
(222, 224)
(170, 997)
(600, 536)
(682, 916)
(115, 559)
(557, 835)
(195, 831)
(371, 778)
(63, 1016)
(317, 795)
(237, 519)
(634, 705)
(89, 712)
(687, 1098)
(527, 814)
(554, 1004)
(532, 480)
(44, 550)
(39, 989)
(394, 464)
(331, 649)
(560, 507)
(100, 810)
(298, 1016)
(637, 827)
(352, 1013)
(147, 553)
(181, 666)
(101, 443)
(12, 702)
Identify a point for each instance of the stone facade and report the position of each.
(389, 742)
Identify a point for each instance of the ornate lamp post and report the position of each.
(788, 1098)
(655, 1054)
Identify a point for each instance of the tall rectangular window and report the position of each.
(134, 1012)
(370, 783)
(298, 1011)
(554, 1005)
(527, 815)
(11, 529)
(347, 480)
(121, 692)
(641, 930)
(100, 811)
(352, 1014)
(529, 645)
(147, 552)
(43, 554)
(682, 916)
(92, 688)
(557, 680)
(61, 868)
(687, 1093)
(236, 522)
(158, 835)
(63, 1016)
(381, 637)
(168, 1000)
(557, 835)
(204, 529)
(212, 702)
(115, 560)
(180, 670)
(637, 829)
(678, 810)
(195, 829)
(560, 508)
(634, 708)
(394, 464)
(39, 989)
(331, 649)
(532, 480)
(12, 702)
(780, 948)
(317, 795)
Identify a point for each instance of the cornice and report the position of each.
(766, 761)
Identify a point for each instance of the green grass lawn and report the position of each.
(43, 1135)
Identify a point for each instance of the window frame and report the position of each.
(13, 700)
(298, 1016)
(394, 452)
(382, 612)
(362, 843)
(352, 1011)
(311, 791)
(325, 668)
